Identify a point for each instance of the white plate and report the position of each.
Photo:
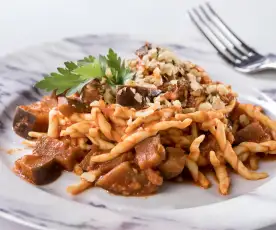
(183, 206)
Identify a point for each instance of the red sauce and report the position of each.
(17, 172)
(15, 150)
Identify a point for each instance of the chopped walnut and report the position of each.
(168, 69)
(217, 103)
(178, 80)
(176, 103)
(173, 82)
(167, 56)
(133, 90)
(222, 89)
(211, 89)
(196, 93)
(138, 97)
(243, 119)
(194, 84)
(205, 106)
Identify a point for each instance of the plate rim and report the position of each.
(185, 215)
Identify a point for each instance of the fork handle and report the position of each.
(270, 62)
(267, 62)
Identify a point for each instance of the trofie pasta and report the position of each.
(128, 126)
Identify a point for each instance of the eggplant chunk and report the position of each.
(104, 167)
(253, 132)
(92, 91)
(68, 106)
(49, 158)
(33, 117)
(37, 169)
(135, 96)
(142, 51)
(64, 155)
(125, 180)
(23, 122)
(150, 152)
(175, 163)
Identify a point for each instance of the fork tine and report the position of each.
(222, 54)
(216, 36)
(243, 44)
(240, 52)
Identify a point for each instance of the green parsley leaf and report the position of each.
(75, 76)
(59, 82)
(77, 88)
(103, 62)
(113, 60)
(70, 65)
(86, 60)
(120, 73)
(127, 74)
(91, 70)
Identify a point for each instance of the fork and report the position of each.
(228, 45)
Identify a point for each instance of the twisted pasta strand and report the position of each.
(130, 141)
(230, 156)
(252, 147)
(196, 174)
(254, 112)
(221, 173)
(194, 148)
(200, 116)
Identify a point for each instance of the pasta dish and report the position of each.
(129, 125)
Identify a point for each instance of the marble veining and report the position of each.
(97, 205)
(23, 215)
(18, 73)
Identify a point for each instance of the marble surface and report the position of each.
(168, 209)
(186, 41)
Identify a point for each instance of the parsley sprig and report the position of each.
(74, 76)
